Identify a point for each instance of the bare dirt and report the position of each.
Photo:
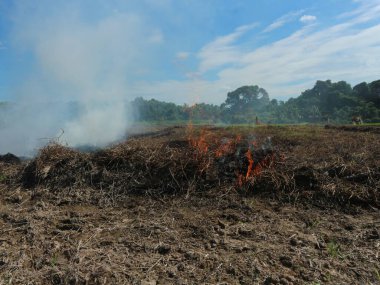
(160, 210)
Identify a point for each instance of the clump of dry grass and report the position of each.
(128, 168)
(154, 168)
(307, 163)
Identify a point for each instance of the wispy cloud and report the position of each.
(182, 55)
(278, 23)
(343, 51)
(367, 8)
(290, 64)
(306, 19)
(220, 51)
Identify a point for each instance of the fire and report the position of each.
(252, 171)
(200, 144)
(203, 143)
(209, 148)
(250, 161)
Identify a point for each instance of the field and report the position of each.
(197, 205)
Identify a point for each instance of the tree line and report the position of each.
(326, 102)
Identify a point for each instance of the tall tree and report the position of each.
(243, 104)
(247, 97)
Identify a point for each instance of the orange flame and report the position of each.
(254, 171)
(200, 144)
(250, 160)
(208, 144)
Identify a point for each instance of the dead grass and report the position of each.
(292, 163)
(162, 210)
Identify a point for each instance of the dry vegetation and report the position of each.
(237, 205)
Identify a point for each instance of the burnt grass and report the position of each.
(176, 206)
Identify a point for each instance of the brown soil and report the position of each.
(156, 210)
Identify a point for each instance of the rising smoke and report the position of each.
(78, 71)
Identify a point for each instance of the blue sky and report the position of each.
(182, 51)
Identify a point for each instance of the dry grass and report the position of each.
(166, 209)
(312, 163)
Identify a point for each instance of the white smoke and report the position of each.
(72, 57)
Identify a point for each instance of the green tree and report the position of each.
(245, 103)
(375, 92)
(362, 91)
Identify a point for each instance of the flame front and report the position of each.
(209, 147)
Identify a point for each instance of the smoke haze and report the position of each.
(78, 59)
(74, 64)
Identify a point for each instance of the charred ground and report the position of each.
(237, 205)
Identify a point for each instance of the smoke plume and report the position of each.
(77, 72)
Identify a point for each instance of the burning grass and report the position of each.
(58, 226)
(156, 168)
(321, 166)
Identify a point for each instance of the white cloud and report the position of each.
(182, 55)
(283, 20)
(366, 9)
(344, 51)
(220, 51)
(306, 19)
(337, 53)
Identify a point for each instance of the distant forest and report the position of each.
(326, 102)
